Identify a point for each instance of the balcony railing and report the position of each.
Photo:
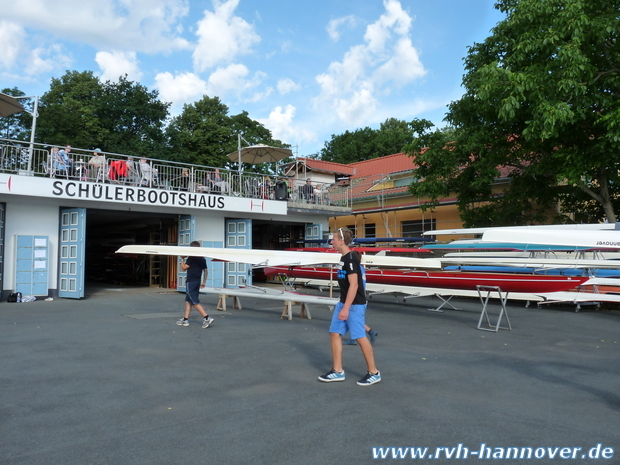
(17, 157)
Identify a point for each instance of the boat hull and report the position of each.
(443, 279)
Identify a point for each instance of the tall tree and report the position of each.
(121, 117)
(135, 118)
(201, 134)
(68, 111)
(350, 147)
(541, 107)
(367, 143)
(204, 134)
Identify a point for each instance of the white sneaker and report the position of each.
(182, 322)
(207, 322)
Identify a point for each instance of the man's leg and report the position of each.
(201, 310)
(368, 354)
(336, 340)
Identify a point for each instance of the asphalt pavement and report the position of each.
(112, 379)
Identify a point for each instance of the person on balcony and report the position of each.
(265, 188)
(63, 162)
(217, 182)
(183, 181)
(307, 191)
(132, 174)
(97, 164)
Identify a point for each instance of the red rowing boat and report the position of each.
(507, 282)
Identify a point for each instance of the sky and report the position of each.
(305, 69)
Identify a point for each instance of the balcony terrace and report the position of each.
(17, 157)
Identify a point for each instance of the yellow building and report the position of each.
(382, 205)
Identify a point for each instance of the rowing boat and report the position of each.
(442, 279)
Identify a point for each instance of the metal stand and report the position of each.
(287, 283)
(503, 297)
(445, 302)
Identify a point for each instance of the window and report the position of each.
(416, 228)
(370, 230)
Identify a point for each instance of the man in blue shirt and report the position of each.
(197, 272)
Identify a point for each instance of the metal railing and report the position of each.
(112, 168)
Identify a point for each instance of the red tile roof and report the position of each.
(383, 165)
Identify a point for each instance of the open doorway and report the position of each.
(107, 230)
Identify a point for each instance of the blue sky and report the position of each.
(305, 69)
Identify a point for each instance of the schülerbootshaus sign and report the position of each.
(115, 193)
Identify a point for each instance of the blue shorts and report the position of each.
(354, 323)
(192, 291)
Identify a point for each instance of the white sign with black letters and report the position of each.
(97, 192)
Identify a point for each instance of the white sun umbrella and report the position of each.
(260, 153)
(9, 105)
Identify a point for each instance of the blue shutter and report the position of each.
(216, 268)
(71, 253)
(238, 236)
(313, 232)
(187, 232)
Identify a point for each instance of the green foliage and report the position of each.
(68, 111)
(125, 117)
(367, 143)
(541, 106)
(118, 117)
(135, 117)
(201, 134)
(204, 134)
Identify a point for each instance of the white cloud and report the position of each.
(12, 38)
(333, 27)
(180, 89)
(403, 66)
(46, 60)
(233, 79)
(188, 87)
(395, 19)
(287, 85)
(280, 123)
(116, 64)
(351, 88)
(358, 108)
(16, 53)
(222, 37)
(140, 25)
(258, 96)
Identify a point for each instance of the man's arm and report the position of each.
(205, 273)
(344, 312)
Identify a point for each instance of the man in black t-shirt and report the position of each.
(197, 272)
(349, 313)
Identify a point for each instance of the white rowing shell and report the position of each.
(261, 258)
(596, 239)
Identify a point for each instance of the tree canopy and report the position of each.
(541, 108)
(121, 117)
(204, 133)
(125, 117)
(367, 143)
